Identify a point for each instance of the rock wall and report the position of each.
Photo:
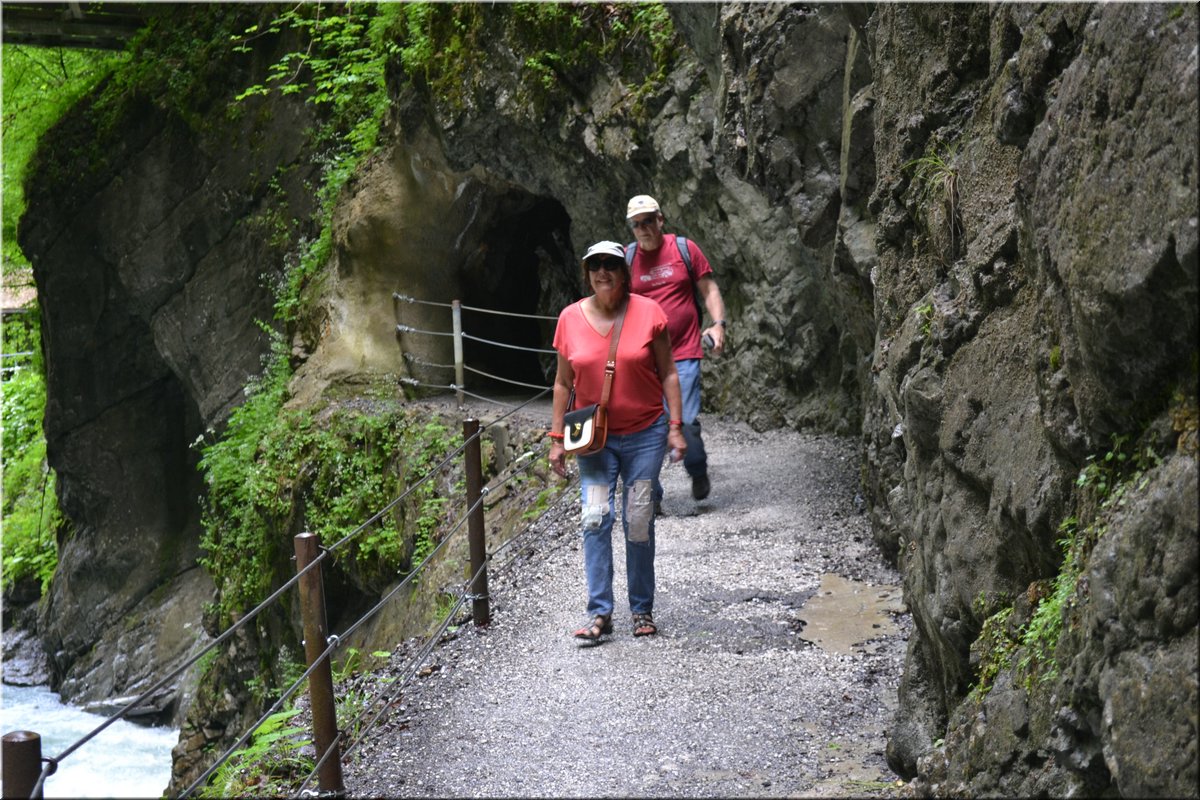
(1035, 297)
(150, 246)
(965, 232)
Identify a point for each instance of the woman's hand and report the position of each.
(676, 443)
(558, 458)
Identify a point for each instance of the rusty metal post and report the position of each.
(22, 755)
(320, 680)
(481, 609)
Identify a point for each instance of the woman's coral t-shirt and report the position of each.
(636, 397)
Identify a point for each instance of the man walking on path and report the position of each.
(670, 270)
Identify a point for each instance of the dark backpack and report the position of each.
(682, 243)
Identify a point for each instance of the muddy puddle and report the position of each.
(844, 616)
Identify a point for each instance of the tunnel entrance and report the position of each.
(525, 269)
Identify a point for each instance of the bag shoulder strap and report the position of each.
(610, 368)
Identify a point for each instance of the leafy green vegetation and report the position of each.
(557, 44)
(40, 84)
(542, 502)
(936, 177)
(925, 315)
(339, 68)
(1104, 483)
(181, 63)
(268, 766)
(279, 470)
(30, 506)
(1107, 479)
(935, 174)
(994, 647)
(353, 698)
(274, 470)
(280, 670)
(276, 761)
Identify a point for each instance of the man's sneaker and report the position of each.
(700, 487)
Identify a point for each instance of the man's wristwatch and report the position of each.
(720, 322)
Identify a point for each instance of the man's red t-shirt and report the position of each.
(663, 277)
(637, 392)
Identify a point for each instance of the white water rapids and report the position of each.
(123, 760)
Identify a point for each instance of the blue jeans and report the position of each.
(695, 460)
(635, 458)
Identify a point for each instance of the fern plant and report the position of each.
(268, 765)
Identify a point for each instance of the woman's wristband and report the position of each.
(556, 436)
(675, 423)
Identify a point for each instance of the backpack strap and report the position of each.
(682, 243)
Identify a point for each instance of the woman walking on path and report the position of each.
(638, 430)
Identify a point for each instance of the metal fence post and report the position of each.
(456, 313)
(22, 755)
(320, 680)
(480, 605)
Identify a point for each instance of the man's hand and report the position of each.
(717, 334)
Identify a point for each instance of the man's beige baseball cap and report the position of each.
(642, 204)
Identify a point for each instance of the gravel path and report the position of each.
(774, 673)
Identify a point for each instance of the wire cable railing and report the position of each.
(30, 774)
(404, 298)
(509, 346)
(18, 366)
(459, 335)
(385, 700)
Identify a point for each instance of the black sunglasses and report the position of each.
(611, 264)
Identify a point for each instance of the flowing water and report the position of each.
(123, 760)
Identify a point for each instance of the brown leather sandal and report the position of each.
(643, 625)
(601, 624)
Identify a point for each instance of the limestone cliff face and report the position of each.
(965, 232)
(1034, 299)
(149, 240)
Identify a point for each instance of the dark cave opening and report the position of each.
(523, 274)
